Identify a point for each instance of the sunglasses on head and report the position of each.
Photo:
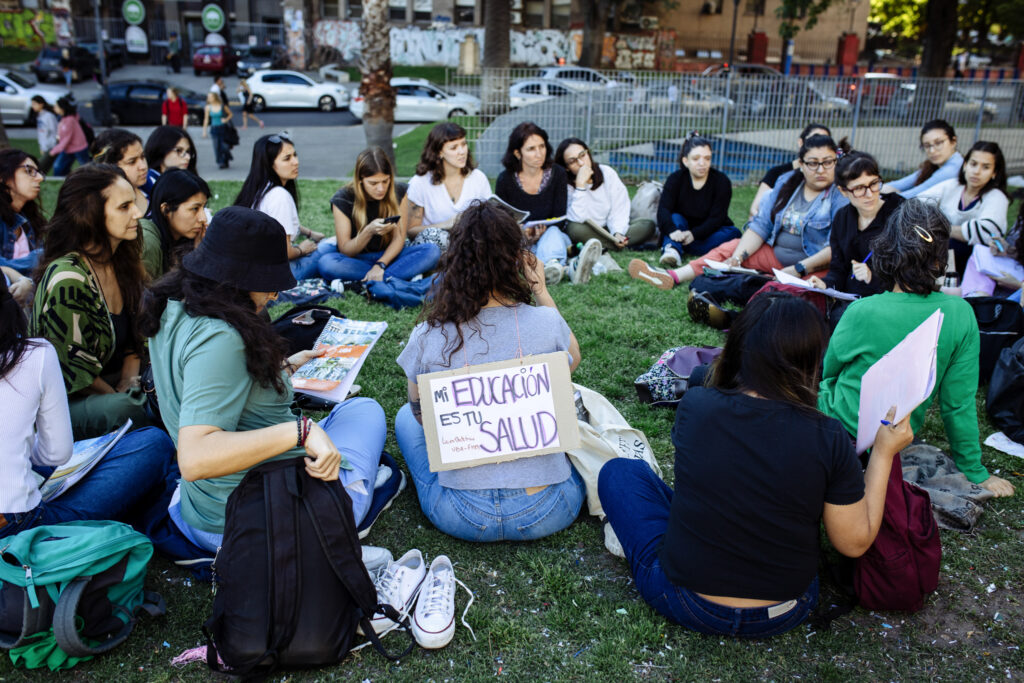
(278, 138)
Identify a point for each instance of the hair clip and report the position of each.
(924, 234)
(839, 153)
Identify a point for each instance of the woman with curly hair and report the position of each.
(483, 311)
(909, 256)
(21, 218)
(446, 182)
(90, 286)
(123, 149)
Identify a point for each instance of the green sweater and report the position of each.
(871, 327)
(152, 252)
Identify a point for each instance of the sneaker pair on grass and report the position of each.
(407, 581)
(580, 268)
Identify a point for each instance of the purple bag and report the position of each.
(668, 379)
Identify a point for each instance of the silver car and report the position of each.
(417, 99)
(578, 76)
(293, 89)
(531, 90)
(16, 92)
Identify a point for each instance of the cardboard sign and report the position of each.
(496, 412)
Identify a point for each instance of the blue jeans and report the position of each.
(358, 429)
(62, 164)
(552, 245)
(637, 504)
(413, 260)
(699, 247)
(220, 148)
(127, 485)
(485, 515)
(306, 266)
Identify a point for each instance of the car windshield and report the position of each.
(22, 80)
(260, 52)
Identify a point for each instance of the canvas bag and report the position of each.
(83, 571)
(901, 567)
(645, 202)
(291, 582)
(605, 436)
(668, 379)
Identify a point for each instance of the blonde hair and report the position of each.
(372, 161)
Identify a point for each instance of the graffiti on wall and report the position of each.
(414, 46)
(639, 51)
(26, 28)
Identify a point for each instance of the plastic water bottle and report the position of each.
(599, 269)
(338, 286)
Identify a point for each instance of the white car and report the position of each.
(16, 92)
(578, 76)
(417, 99)
(531, 90)
(293, 89)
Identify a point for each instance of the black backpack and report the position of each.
(87, 131)
(291, 584)
(1004, 402)
(734, 288)
(1000, 322)
(300, 326)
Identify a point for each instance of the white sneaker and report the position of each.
(433, 622)
(583, 264)
(398, 585)
(553, 271)
(670, 258)
(375, 559)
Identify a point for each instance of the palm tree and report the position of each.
(375, 66)
(497, 56)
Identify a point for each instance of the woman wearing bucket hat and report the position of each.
(222, 378)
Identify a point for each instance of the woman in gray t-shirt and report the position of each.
(483, 311)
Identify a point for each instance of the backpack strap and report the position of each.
(33, 620)
(66, 632)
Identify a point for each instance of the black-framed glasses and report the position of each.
(824, 163)
(927, 147)
(874, 186)
(578, 159)
(32, 171)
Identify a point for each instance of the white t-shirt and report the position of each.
(36, 428)
(278, 204)
(437, 205)
(608, 205)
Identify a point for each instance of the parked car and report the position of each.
(112, 52)
(958, 105)
(672, 98)
(47, 65)
(532, 90)
(876, 91)
(139, 103)
(578, 76)
(744, 70)
(219, 59)
(16, 92)
(417, 99)
(293, 89)
(262, 57)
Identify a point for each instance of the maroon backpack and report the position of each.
(902, 566)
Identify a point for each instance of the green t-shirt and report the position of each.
(871, 327)
(201, 379)
(152, 254)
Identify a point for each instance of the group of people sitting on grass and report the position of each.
(130, 273)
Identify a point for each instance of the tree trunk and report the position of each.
(497, 57)
(595, 22)
(375, 88)
(4, 142)
(940, 24)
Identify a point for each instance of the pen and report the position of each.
(999, 245)
(864, 261)
(887, 423)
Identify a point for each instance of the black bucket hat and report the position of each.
(244, 248)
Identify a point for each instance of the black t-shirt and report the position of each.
(751, 480)
(344, 200)
(550, 202)
(776, 172)
(850, 244)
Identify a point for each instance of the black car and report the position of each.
(47, 66)
(262, 57)
(139, 103)
(113, 53)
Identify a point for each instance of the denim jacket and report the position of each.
(27, 263)
(817, 225)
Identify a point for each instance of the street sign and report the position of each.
(213, 18)
(133, 11)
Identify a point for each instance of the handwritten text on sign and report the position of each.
(490, 414)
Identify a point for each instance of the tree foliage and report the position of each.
(796, 12)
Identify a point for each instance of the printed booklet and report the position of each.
(346, 343)
(85, 456)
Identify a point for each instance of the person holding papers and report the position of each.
(36, 431)
(481, 312)
(999, 265)
(223, 380)
(909, 256)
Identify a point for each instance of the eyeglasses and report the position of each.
(578, 159)
(32, 171)
(278, 138)
(861, 190)
(825, 164)
(927, 147)
(182, 151)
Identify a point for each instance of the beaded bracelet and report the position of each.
(303, 425)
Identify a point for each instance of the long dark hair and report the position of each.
(797, 178)
(774, 349)
(596, 178)
(162, 142)
(265, 350)
(486, 257)
(372, 161)
(79, 224)
(927, 168)
(998, 180)
(430, 159)
(11, 159)
(46, 105)
(14, 339)
(172, 189)
(517, 138)
(68, 106)
(110, 145)
(262, 176)
(911, 250)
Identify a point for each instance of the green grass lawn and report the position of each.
(564, 609)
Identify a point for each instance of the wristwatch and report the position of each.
(800, 268)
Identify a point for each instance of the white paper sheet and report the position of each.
(787, 279)
(995, 266)
(1001, 442)
(904, 378)
(726, 268)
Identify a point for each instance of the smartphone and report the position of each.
(392, 219)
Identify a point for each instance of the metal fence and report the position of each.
(636, 122)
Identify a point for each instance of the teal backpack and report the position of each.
(81, 579)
